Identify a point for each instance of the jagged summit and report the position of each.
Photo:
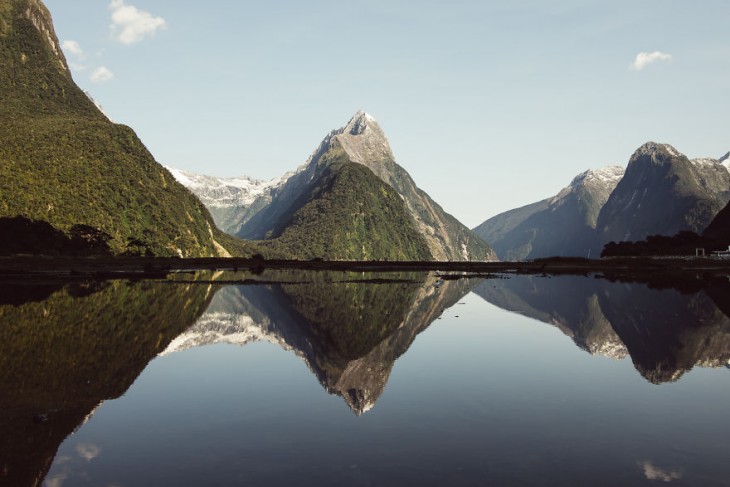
(360, 122)
(363, 141)
(656, 151)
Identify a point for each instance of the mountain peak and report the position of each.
(38, 15)
(658, 153)
(364, 142)
(359, 123)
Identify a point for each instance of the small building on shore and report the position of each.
(722, 254)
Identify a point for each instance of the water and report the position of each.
(328, 379)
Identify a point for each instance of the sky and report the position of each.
(489, 105)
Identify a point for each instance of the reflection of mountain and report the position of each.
(349, 333)
(60, 357)
(667, 328)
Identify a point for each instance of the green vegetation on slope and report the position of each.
(350, 214)
(62, 162)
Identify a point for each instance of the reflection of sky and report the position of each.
(488, 395)
(655, 473)
(71, 466)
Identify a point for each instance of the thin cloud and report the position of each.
(131, 25)
(643, 59)
(101, 75)
(73, 48)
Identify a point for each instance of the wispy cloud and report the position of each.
(101, 75)
(131, 25)
(643, 59)
(73, 48)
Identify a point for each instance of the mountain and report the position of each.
(65, 167)
(282, 213)
(349, 332)
(563, 225)
(663, 193)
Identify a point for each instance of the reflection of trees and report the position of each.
(360, 329)
(60, 357)
(667, 325)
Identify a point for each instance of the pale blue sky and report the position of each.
(489, 105)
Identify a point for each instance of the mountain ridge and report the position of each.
(661, 191)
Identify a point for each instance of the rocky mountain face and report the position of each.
(563, 225)
(719, 228)
(65, 167)
(360, 142)
(666, 327)
(661, 192)
(349, 333)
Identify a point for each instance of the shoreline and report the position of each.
(71, 268)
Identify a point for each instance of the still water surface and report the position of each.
(329, 380)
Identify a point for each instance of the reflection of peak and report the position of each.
(665, 331)
(353, 362)
(566, 303)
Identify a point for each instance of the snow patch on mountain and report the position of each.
(602, 180)
(227, 192)
(220, 327)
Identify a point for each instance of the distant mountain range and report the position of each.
(374, 210)
(71, 181)
(661, 192)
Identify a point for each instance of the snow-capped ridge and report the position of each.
(608, 174)
(227, 192)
